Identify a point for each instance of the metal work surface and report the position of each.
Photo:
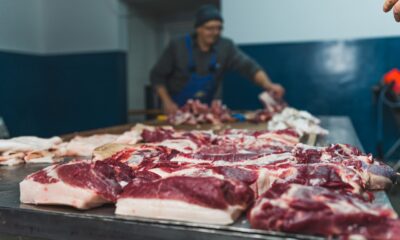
(56, 222)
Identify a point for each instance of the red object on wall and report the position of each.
(393, 76)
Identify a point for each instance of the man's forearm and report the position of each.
(261, 79)
(163, 94)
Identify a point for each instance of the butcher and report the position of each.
(192, 66)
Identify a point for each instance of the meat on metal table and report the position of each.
(57, 222)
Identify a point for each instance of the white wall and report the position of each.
(144, 46)
(264, 21)
(21, 26)
(84, 25)
(60, 26)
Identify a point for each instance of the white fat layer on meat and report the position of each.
(286, 173)
(123, 183)
(135, 160)
(325, 157)
(238, 138)
(263, 182)
(288, 139)
(58, 193)
(308, 147)
(197, 172)
(315, 181)
(11, 161)
(193, 172)
(45, 159)
(28, 143)
(160, 172)
(183, 159)
(259, 161)
(84, 146)
(357, 237)
(181, 145)
(176, 210)
(265, 160)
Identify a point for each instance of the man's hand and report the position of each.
(277, 89)
(261, 79)
(170, 107)
(395, 5)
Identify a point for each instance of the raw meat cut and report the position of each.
(80, 184)
(204, 200)
(316, 210)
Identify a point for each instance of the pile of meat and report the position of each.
(199, 176)
(29, 149)
(276, 112)
(194, 112)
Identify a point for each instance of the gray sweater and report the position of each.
(172, 69)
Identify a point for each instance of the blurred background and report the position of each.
(75, 65)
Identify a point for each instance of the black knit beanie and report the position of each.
(207, 13)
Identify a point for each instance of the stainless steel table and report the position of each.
(67, 223)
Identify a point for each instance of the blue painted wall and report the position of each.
(56, 94)
(325, 78)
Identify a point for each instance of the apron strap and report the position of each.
(192, 65)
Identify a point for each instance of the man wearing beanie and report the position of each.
(192, 67)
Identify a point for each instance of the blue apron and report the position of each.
(198, 87)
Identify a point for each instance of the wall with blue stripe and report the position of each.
(325, 78)
(47, 95)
